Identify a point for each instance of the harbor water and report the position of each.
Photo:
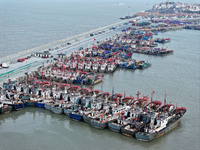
(178, 75)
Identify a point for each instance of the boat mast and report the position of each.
(42, 75)
(165, 101)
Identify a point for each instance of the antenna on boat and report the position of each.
(124, 94)
(152, 95)
(102, 86)
(138, 95)
(165, 100)
(42, 75)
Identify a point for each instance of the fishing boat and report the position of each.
(97, 79)
(57, 108)
(88, 67)
(81, 66)
(15, 104)
(103, 68)
(99, 123)
(137, 123)
(4, 109)
(68, 109)
(115, 125)
(130, 65)
(143, 65)
(40, 103)
(111, 67)
(48, 105)
(76, 115)
(160, 125)
(95, 67)
(30, 102)
(162, 40)
(87, 116)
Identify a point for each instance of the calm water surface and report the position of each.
(178, 74)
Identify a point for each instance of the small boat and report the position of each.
(162, 40)
(97, 79)
(143, 65)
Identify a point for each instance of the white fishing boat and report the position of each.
(103, 67)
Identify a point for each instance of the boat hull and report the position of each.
(39, 105)
(128, 133)
(18, 106)
(86, 118)
(48, 106)
(29, 103)
(98, 124)
(5, 110)
(57, 110)
(67, 111)
(114, 127)
(76, 117)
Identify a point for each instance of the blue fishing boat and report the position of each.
(76, 115)
(130, 66)
(78, 80)
(16, 105)
(40, 104)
